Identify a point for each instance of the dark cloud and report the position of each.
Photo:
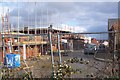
(88, 15)
(98, 28)
(62, 7)
(102, 7)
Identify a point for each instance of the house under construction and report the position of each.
(25, 42)
(34, 42)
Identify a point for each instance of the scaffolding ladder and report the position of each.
(6, 42)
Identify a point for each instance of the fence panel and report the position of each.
(68, 55)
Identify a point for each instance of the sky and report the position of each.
(76, 16)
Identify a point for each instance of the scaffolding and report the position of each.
(6, 42)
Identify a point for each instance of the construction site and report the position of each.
(53, 53)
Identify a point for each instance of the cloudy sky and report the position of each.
(77, 16)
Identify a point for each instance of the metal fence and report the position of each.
(83, 53)
(68, 55)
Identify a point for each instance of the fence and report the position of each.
(68, 55)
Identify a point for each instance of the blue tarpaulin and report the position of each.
(12, 60)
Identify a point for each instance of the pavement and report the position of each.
(107, 57)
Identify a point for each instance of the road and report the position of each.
(94, 67)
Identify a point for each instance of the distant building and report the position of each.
(94, 41)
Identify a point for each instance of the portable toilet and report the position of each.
(12, 60)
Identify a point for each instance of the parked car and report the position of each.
(90, 49)
(102, 48)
